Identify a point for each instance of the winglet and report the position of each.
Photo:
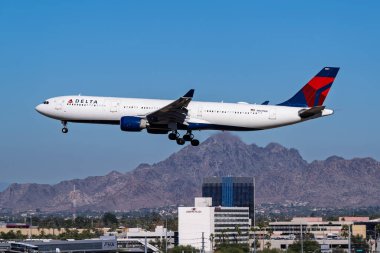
(189, 94)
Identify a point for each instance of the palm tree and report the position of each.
(220, 236)
(238, 233)
(262, 225)
(270, 233)
(344, 231)
(212, 237)
(377, 230)
(256, 243)
(224, 236)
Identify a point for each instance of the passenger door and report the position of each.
(114, 106)
(199, 113)
(272, 114)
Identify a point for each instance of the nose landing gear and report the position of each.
(64, 129)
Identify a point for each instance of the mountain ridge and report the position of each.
(176, 180)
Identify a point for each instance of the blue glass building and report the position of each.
(230, 191)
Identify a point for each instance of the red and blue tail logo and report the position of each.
(315, 91)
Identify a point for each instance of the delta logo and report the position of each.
(82, 101)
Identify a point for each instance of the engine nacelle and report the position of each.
(132, 124)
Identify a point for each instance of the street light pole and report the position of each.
(254, 214)
(30, 226)
(145, 245)
(301, 239)
(349, 238)
(166, 235)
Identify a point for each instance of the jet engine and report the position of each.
(132, 124)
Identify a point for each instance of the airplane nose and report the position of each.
(39, 108)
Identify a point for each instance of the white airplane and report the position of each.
(163, 116)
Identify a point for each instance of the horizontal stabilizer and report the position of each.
(306, 113)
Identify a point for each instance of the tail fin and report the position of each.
(315, 91)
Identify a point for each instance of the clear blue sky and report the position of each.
(227, 50)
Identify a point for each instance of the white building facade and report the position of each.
(232, 225)
(204, 226)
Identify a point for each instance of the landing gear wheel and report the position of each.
(64, 129)
(172, 136)
(194, 142)
(188, 137)
(180, 141)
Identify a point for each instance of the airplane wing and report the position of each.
(174, 112)
(305, 113)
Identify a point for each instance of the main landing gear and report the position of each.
(64, 129)
(187, 137)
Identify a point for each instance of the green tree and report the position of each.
(19, 235)
(224, 236)
(359, 243)
(159, 243)
(82, 222)
(110, 220)
(42, 234)
(270, 233)
(344, 231)
(232, 248)
(11, 235)
(184, 249)
(377, 230)
(256, 242)
(212, 238)
(262, 226)
(338, 250)
(270, 251)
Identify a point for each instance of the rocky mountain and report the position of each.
(3, 186)
(281, 174)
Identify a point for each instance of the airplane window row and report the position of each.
(87, 105)
(46, 102)
(236, 112)
(142, 107)
(148, 107)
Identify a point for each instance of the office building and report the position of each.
(48, 246)
(105, 244)
(160, 233)
(205, 226)
(231, 225)
(230, 192)
(329, 234)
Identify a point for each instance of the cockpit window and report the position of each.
(46, 102)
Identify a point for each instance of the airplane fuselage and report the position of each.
(201, 115)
